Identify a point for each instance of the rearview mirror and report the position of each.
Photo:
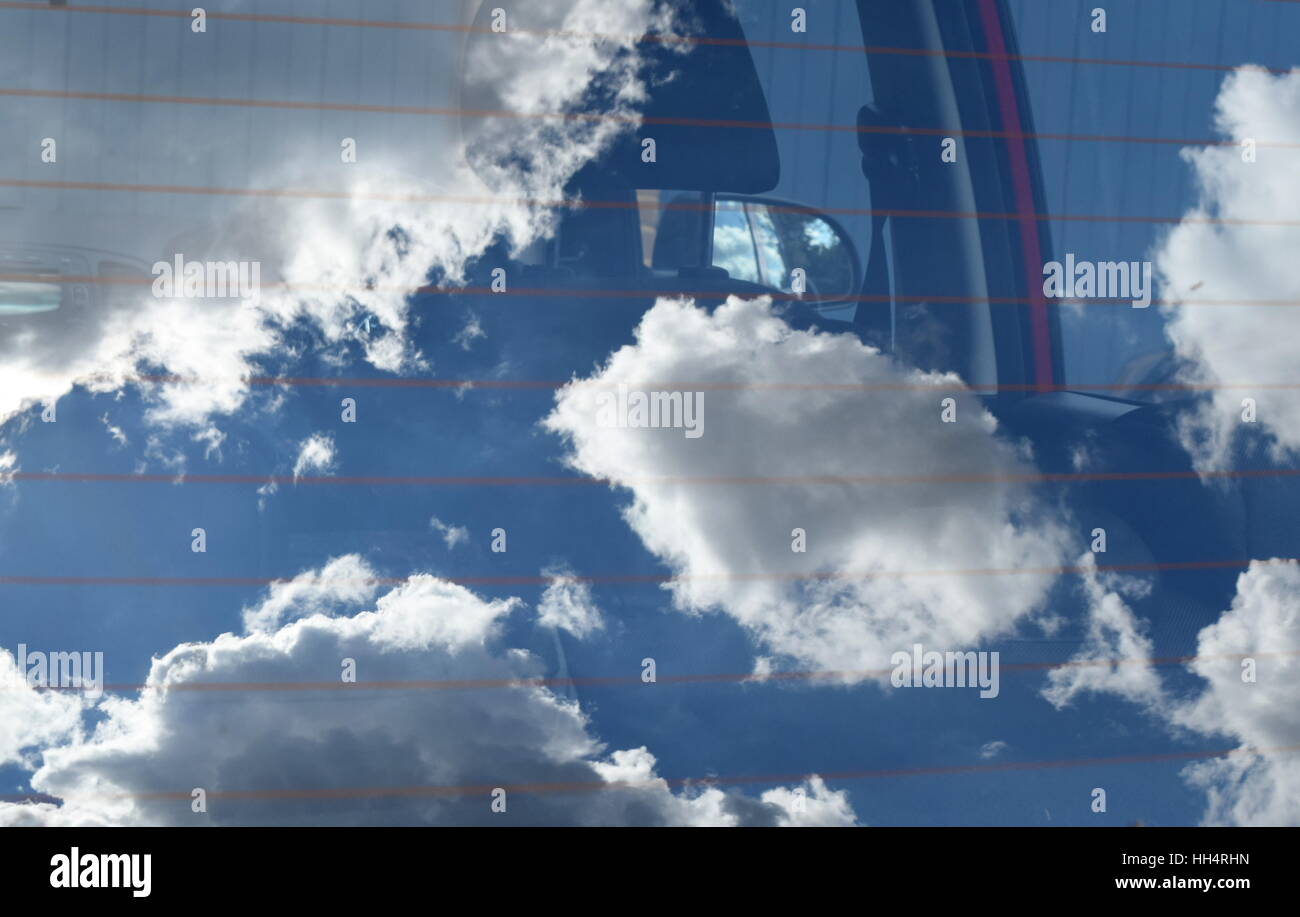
(785, 245)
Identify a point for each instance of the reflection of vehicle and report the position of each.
(808, 167)
(61, 284)
(767, 164)
(734, 122)
(772, 159)
(764, 240)
(32, 282)
(859, 150)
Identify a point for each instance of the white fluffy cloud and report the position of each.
(809, 806)
(730, 544)
(345, 581)
(336, 266)
(344, 744)
(315, 453)
(1234, 262)
(30, 719)
(1258, 783)
(1246, 257)
(567, 604)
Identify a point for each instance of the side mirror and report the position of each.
(29, 298)
(769, 241)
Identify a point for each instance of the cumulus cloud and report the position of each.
(1243, 259)
(341, 270)
(1260, 783)
(343, 744)
(838, 605)
(567, 604)
(30, 719)
(808, 805)
(344, 581)
(315, 453)
(811, 805)
(1249, 664)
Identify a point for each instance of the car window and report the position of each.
(622, 404)
(1089, 179)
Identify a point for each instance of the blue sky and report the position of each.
(694, 729)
